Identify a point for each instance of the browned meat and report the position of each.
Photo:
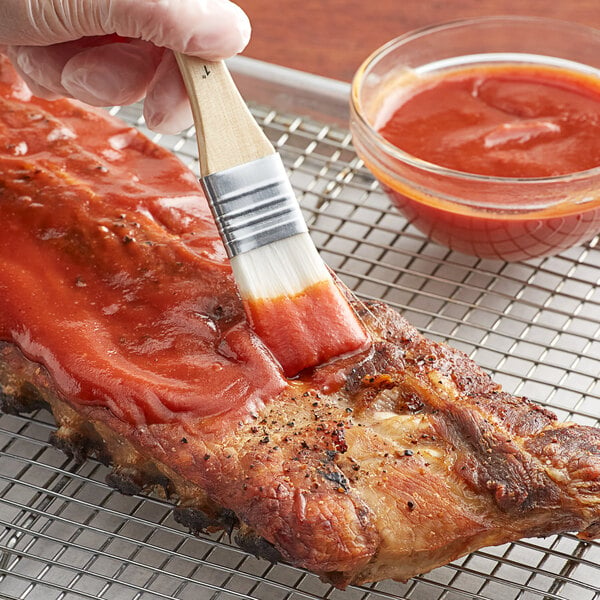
(380, 465)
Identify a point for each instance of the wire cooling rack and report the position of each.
(65, 535)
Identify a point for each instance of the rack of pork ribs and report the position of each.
(118, 312)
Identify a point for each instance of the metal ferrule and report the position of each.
(254, 204)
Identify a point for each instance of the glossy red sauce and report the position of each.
(503, 122)
(506, 122)
(112, 275)
(307, 329)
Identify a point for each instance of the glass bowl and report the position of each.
(507, 218)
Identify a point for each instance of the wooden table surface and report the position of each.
(332, 37)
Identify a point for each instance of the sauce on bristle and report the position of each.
(309, 328)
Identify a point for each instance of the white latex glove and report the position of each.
(53, 45)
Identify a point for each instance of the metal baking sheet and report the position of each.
(535, 326)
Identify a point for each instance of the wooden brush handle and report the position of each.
(226, 131)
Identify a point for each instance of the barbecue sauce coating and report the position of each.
(111, 272)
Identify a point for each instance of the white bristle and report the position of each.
(282, 268)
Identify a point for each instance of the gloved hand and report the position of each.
(115, 52)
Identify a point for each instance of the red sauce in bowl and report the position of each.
(502, 159)
(510, 121)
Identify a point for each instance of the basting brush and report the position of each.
(291, 299)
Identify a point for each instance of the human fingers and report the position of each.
(167, 108)
(213, 29)
(116, 72)
(113, 74)
(27, 65)
(109, 74)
